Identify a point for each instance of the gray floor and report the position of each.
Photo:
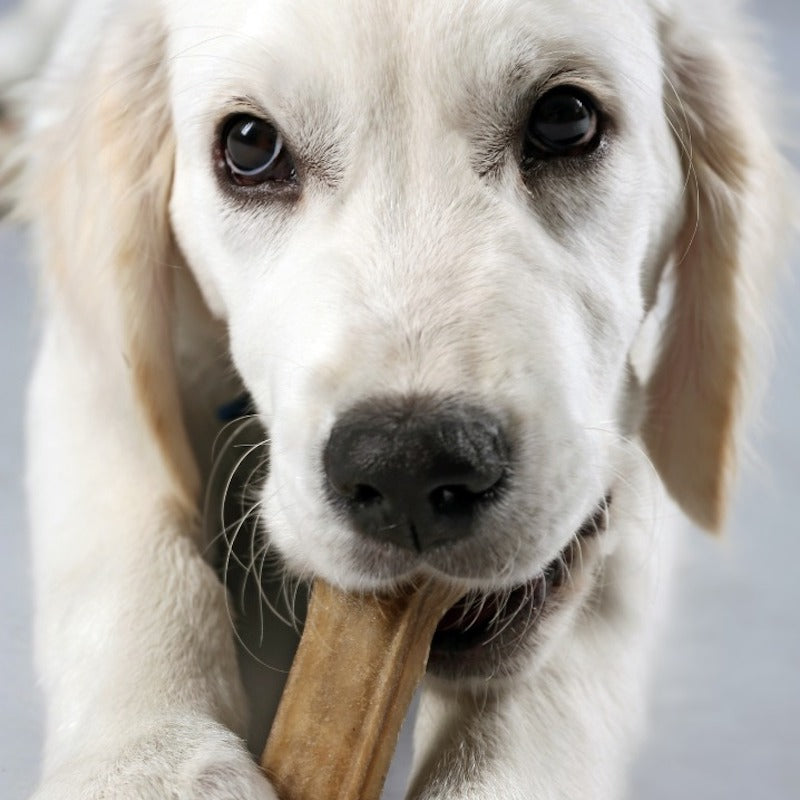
(726, 699)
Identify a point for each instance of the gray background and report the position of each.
(725, 719)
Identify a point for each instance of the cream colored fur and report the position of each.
(408, 272)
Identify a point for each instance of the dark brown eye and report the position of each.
(255, 153)
(564, 122)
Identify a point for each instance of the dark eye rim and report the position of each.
(535, 151)
(244, 183)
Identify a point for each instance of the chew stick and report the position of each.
(359, 660)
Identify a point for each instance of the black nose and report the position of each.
(414, 473)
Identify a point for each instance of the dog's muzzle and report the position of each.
(414, 473)
(424, 475)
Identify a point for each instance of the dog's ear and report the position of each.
(724, 261)
(99, 162)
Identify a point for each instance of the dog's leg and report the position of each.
(560, 735)
(133, 641)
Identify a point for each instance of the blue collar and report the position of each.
(237, 408)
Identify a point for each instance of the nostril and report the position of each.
(365, 495)
(460, 499)
(453, 500)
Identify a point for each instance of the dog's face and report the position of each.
(434, 232)
(419, 208)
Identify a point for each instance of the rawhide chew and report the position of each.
(351, 683)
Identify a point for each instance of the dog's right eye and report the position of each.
(255, 153)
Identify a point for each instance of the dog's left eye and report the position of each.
(255, 153)
(564, 122)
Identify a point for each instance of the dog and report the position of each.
(490, 280)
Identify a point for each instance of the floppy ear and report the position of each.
(99, 162)
(724, 260)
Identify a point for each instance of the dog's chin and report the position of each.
(489, 633)
(492, 635)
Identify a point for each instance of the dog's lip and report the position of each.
(479, 635)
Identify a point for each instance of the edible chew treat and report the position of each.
(359, 660)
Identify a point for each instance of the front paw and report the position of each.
(173, 761)
(228, 773)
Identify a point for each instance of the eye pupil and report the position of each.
(563, 122)
(254, 151)
(251, 144)
(563, 119)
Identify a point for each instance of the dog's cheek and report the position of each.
(298, 526)
(194, 237)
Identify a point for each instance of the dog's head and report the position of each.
(435, 232)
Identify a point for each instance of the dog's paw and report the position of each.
(176, 761)
(232, 776)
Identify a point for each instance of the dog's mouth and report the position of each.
(488, 635)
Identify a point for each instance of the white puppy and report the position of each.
(431, 238)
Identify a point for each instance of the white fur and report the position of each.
(402, 269)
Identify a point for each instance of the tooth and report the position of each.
(359, 660)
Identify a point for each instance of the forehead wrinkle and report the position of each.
(345, 41)
(497, 42)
